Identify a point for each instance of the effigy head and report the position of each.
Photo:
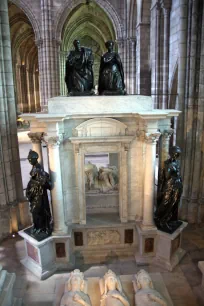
(143, 280)
(76, 281)
(175, 152)
(111, 282)
(33, 157)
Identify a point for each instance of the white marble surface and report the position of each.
(126, 280)
(100, 104)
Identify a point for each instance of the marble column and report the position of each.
(36, 139)
(149, 180)
(56, 178)
(123, 198)
(164, 147)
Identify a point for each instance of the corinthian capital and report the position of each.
(167, 133)
(152, 137)
(53, 141)
(36, 137)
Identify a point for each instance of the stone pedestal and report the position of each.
(168, 250)
(46, 257)
(147, 245)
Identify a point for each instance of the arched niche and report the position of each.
(92, 26)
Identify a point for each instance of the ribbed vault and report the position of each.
(91, 25)
(25, 61)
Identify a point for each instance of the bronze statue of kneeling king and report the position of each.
(169, 193)
(36, 193)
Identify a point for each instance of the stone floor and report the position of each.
(183, 283)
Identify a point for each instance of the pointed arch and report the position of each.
(69, 5)
(22, 4)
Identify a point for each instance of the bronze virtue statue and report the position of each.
(111, 75)
(79, 73)
(169, 193)
(36, 192)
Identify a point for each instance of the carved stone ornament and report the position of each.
(36, 137)
(167, 133)
(75, 293)
(112, 291)
(152, 137)
(103, 237)
(53, 141)
(145, 294)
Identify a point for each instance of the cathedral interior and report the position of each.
(161, 46)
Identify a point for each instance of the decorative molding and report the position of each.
(101, 127)
(36, 137)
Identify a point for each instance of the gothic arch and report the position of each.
(22, 4)
(69, 5)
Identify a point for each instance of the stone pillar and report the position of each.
(11, 189)
(149, 180)
(166, 12)
(164, 147)
(132, 66)
(30, 83)
(24, 88)
(36, 139)
(143, 74)
(56, 191)
(36, 91)
(123, 198)
(48, 56)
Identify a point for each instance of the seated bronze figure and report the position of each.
(111, 75)
(169, 193)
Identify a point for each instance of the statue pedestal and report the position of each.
(168, 250)
(147, 245)
(44, 258)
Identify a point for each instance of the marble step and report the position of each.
(6, 287)
(17, 302)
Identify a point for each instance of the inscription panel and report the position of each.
(32, 252)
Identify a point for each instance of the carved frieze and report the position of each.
(103, 237)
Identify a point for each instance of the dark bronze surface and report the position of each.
(169, 193)
(36, 192)
(79, 72)
(111, 75)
